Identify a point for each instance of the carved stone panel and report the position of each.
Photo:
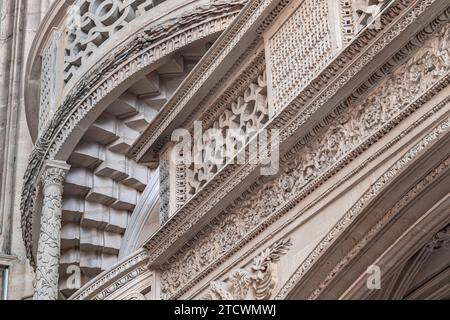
(90, 23)
(257, 283)
(298, 50)
(352, 127)
(48, 83)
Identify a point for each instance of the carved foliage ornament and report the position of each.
(345, 133)
(247, 114)
(257, 283)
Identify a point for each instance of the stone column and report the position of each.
(48, 254)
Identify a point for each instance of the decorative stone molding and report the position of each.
(164, 187)
(418, 149)
(350, 131)
(352, 60)
(248, 113)
(139, 52)
(92, 22)
(112, 280)
(48, 253)
(435, 243)
(260, 280)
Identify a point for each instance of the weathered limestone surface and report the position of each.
(19, 21)
(351, 98)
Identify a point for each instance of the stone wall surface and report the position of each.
(355, 95)
(19, 21)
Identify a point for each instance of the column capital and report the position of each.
(54, 172)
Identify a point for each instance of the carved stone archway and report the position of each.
(94, 91)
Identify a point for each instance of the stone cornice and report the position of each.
(136, 54)
(334, 168)
(280, 212)
(397, 17)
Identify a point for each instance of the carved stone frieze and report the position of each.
(137, 53)
(135, 296)
(257, 283)
(355, 125)
(360, 53)
(299, 50)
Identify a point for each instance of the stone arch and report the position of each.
(90, 96)
(386, 226)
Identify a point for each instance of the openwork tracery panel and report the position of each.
(245, 116)
(92, 22)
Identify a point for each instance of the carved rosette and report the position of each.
(48, 253)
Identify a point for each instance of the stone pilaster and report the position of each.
(48, 254)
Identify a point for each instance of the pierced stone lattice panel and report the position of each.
(298, 50)
(91, 23)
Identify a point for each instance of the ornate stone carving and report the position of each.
(347, 21)
(93, 22)
(48, 253)
(248, 113)
(373, 191)
(164, 187)
(137, 53)
(354, 125)
(122, 274)
(227, 179)
(180, 184)
(261, 279)
(253, 12)
(299, 50)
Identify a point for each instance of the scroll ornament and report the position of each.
(257, 283)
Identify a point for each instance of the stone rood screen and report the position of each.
(90, 23)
